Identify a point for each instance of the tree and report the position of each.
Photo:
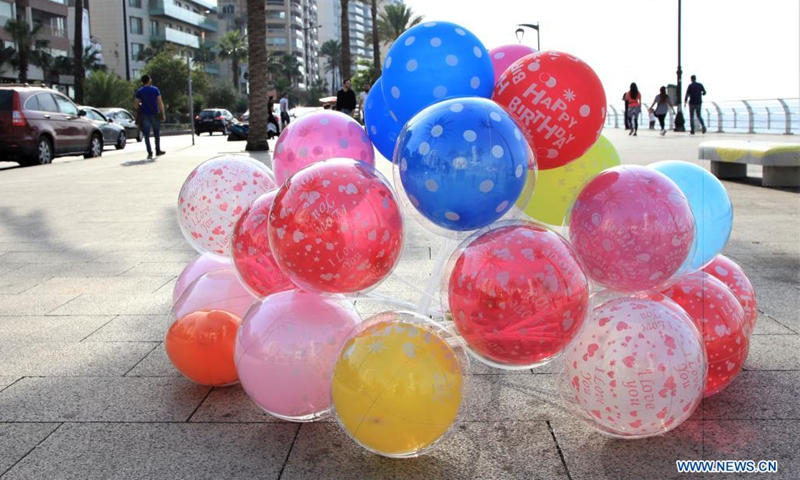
(29, 49)
(365, 75)
(376, 44)
(221, 96)
(233, 46)
(156, 47)
(65, 65)
(106, 89)
(171, 75)
(395, 19)
(290, 67)
(346, 63)
(205, 54)
(257, 59)
(332, 51)
(6, 54)
(77, 52)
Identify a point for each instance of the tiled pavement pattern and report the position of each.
(89, 252)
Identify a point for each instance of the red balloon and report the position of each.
(517, 294)
(720, 319)
(559, 103)
(252, 255)
(336, 227)
(728, 272)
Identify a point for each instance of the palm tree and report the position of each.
(106, 89)
(205, 54)
(77, 52)
(25, 38)
(233, 47)
(257, 59)
(156, 46)
(395, 19)
(6, 54)
(290, 67)
(332, 51)
(345, 65)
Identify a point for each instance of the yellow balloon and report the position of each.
(397, 385)
(557, 188)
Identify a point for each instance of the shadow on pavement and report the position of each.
(135, 163)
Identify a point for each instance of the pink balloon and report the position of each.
(632, 227)
(286, 349)
(216, 290)
(502, 57)
(320, 136)
(201, 265)
(637, 368)
(728, 272)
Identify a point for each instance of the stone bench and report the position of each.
(729, 158)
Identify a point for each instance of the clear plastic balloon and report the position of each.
(336, 227)
(462, 163)
(381, 127)
(559, 102)
(503, 56)
(632, 228)
(731, 274)
(431, 62)
(517, 294)
(198, 267)
(720, 318)
(711, 206)
(637, 368)
(214, 196)
(319, 136)
(252, 255)
(398, 384)
(286, 349)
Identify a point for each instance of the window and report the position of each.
(136, 49)
(46, 103)
(276, 41)
(135, 3)
(124, 116)
(273, 28)
(65, 105)
(276, 15)
(153, 28)
(276, 2)
(95, 115)
(136, 25)
(137, 74)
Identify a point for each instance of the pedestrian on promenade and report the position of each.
(625, 111)
(346, 99)
(694, 95)
(634, 99)
(662, 104)
(150, 112)
(271, 120)
(362, 100)
(284, 108)
(652, 117)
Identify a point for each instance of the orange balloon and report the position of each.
(201, 345)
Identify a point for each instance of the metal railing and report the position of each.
(773, 116)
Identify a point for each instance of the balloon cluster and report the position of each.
(493, 151)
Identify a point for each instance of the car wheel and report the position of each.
(44, 153)
(95, 147)
(121, 141)
(139, 136)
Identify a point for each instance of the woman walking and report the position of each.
(634, 107)
(663, 103)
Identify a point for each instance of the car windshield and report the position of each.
(6, 100)
(209, 113)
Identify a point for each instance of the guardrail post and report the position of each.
(750, 119)
(735, 118)
(719, 117)
(769, 120)
(616, 118)
(788, 117)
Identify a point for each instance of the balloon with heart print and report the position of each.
(320, 136)
(632, 227)
(336, 227)
(503, 56)
(215, 195)
(637, 368)
(720, 318)
(517, 294)
(558, 100)
(731, 274)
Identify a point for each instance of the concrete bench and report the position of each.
(729, 158)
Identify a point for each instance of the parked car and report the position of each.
(126, 119)
(213, 120)
(38, 124)
(113, 133)
(276, 112)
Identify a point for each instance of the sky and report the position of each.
(739, 49)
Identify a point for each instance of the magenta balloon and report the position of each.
(216, 290)
(502, 57)
(320, 136)
(201, 265)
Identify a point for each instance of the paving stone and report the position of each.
(155, 269)
(26, 247)
(780, 301)
(72, 270)
(26, 304)
(156, 364)
(70, 359)
(159, 451)
(756, 395)
(49, 328)
(9, 267)
(773, 352)
(15, 285)
(48, 257)
(231, 404)
(769, 326)
(513, 397)
(754, 440)
(155, 255)
(95, 285)
(6, 381)
(475, 450)
(132, 328)
(590, 455)
(100, 399)
(17, 439)
(116, 304)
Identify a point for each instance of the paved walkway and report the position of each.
(90, 250)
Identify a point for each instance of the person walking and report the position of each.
(271, 120)
(284, 108)
(634, 99)
(662, 104)
(694, 95)
(346, 99)
(625, 111)
(150, 112)
(362, 101)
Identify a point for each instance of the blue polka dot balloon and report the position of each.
(432, 62)
(463, 163)
(381, 127)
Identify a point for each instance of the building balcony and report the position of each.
(162, 8)
(179, 38)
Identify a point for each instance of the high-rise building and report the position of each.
(187, 24)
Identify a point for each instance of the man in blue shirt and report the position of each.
(694, 94)
(151, 113)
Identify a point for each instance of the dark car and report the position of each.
(126, 119)
(38, 124)
(214, 120)
(113, 133)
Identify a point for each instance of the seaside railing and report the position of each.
(780, 116)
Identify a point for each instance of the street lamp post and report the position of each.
(305, 56)
(679, 120)
(191, 100)
(521, 33)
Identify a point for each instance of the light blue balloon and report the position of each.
(382, 129)
(462, 162)
(711, 206)
(431, 62)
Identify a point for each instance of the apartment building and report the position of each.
(127, 27)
